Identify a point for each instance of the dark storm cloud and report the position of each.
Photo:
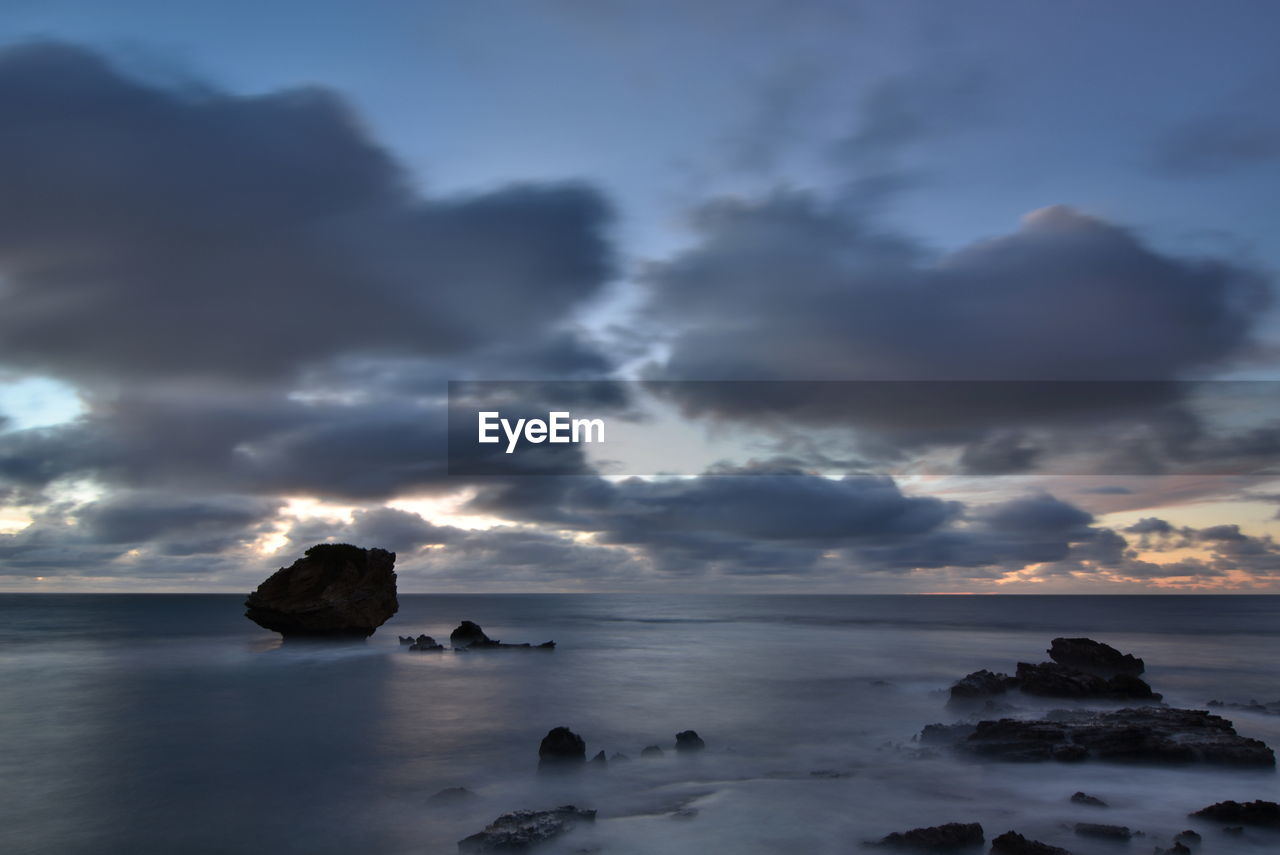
(157, 232)
(128, 518)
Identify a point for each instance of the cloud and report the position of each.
(1220, 143)
(153, 232)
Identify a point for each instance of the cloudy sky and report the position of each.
(245, 246)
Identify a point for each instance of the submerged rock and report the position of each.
(1052, 680)
(335, 591)
(1089, 655)
(953, 835)
(688, 741)
(1013, 843)
(1244, 813)
(1086, 799)
(561, 748)
(520, 830)
(1142, 735)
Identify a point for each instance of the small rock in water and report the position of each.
(1189, 837)
(405, 639)
(651, 751)
(952, 835)
(688, 740)
(1178, 848)
(561, 748)
(1089, 655)
(1086, 799)
(1013, 843)
(469, 634)
(599, 759)
(523, 829)
(1108, 832)
(1245, 813)
(426, 642)
(452, 795)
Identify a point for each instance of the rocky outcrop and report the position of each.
(937, 838)
(523, 829)
(1086, 654)
(469, 636)
(1052, 680)
(1178, 848)
(981, 684)
(335, 591)
(1013, 843)
(426, 643)
(561, 748)
(688, 741)
(1142, 735)
(1086, 799)
(1243, 813)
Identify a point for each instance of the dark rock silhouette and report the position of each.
(1187, 837)
(1178, 848)
(981, 684)
(405, 639)
(1142, 735)
(599, 759)
(1094, 656)
(469, 636)
(689, 741)
(1013, 843)
(426, 643)
(1243, 813)
(1052, 680)
(561, 748)
(651, 751)
(524, 829)
(1086, 799)
(335, 591)
(1105, 832)
(953, 835)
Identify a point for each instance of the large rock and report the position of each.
(521, 830)
(1243, 813)
(1089, 655)
(561, 748)
(1143, 735)
(1052, 680)
(937, 838)
(335, 591)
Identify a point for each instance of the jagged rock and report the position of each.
(651, 751)
(1142, 735)
(981, 684)
(1089, 655)
(426, 643)
(953, 835)
(1086, 799)
(1013, 843)
(405, 639)
(600, 759)
(1244, 813)
(469, 636)
(452, 796)
(1108, 832)
(335, 591)
(523, 829)
(561, 748)
(1051, 680)
(689, 741)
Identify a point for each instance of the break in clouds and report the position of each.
(258, 303)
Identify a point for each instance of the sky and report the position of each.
(244, 247)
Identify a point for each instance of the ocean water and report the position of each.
(171, 724)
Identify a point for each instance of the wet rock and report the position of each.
(1178, 848)
(689, 741)
(452, 796)
(469, 636)
(1106, 832)
(1086, 799)
(405, 639)
(1051, 680)
(1189, 837)
(523, 829)
(561, 748)
(651, 751)
(945, 734)
(1142, 735)
(334, 591)
(981, 684)
(426, 642)
(1243, 813)
(953, 835)
(1086, 654)
(599, 759)
(1013, 843)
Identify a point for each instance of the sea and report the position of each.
(170, 724)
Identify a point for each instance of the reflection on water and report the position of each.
(164, 724)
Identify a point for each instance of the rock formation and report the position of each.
(1093, 656)
(469, 636)
(335, 591)
(689, 741)
(1243, 813)
(1013, 843)
(937, 838)
(524, 829)
(561, 748)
